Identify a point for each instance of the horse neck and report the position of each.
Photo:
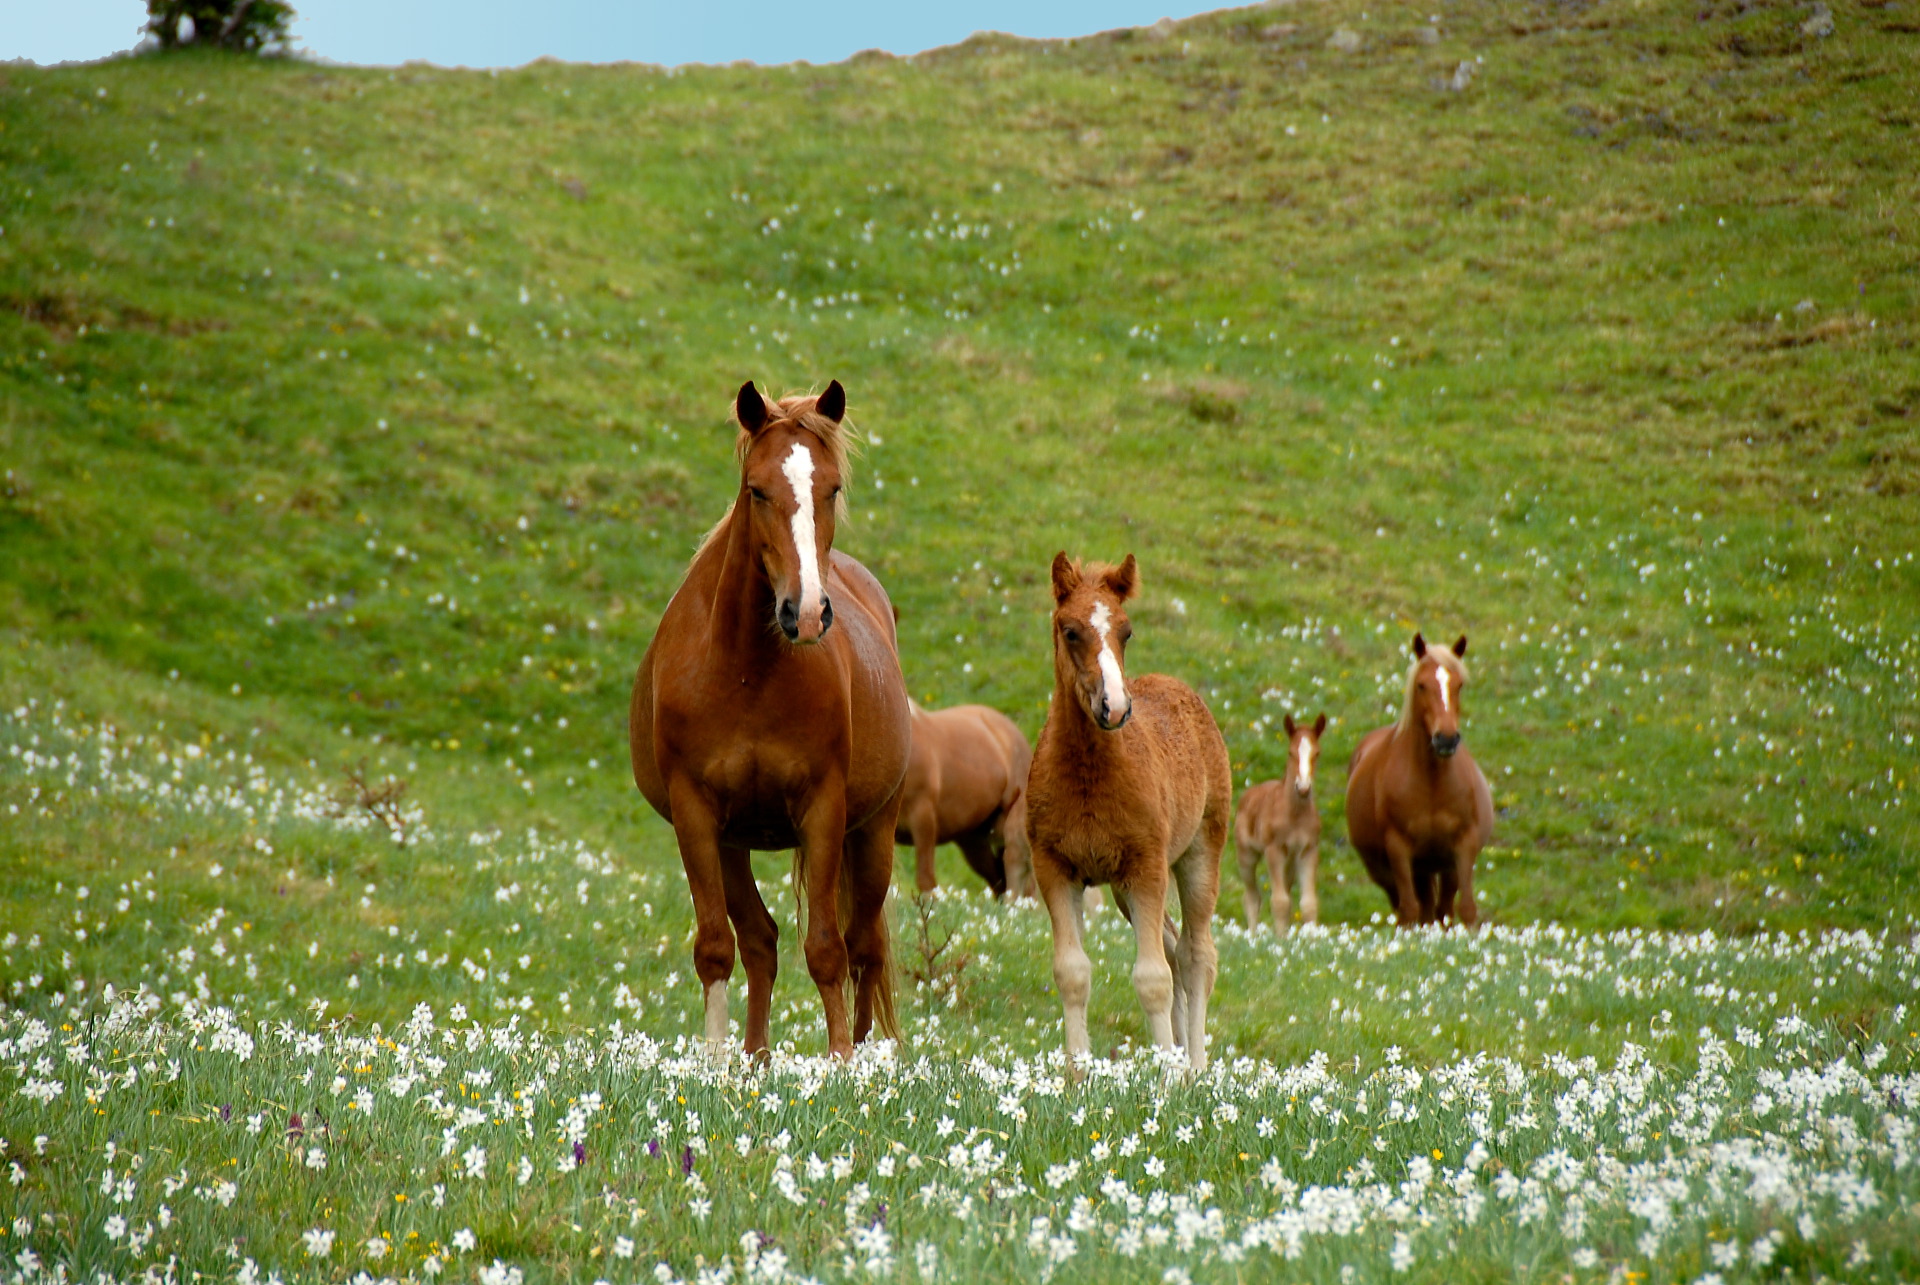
(1413, 747)
(741, 599)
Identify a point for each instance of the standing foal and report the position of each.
(1278, 820)
(1131, 787)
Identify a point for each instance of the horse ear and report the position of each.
(896, 612)
(1460, 648)
(749, 408)
(1419, 646)
(833, 402)
(1319, 727)
(1291, 730)
(1124, 579)
(1066, 577)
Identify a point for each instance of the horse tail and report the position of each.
(884, 1015)
(800, 895)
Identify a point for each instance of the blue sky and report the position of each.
(491, 33)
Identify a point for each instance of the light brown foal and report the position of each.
(1278, 820)
(967, 772)
(1131, 786)
(1418, 808)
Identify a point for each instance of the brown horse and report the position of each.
(770, 713)
(1131, 786)
(1418, 809)
(967, 771)
(1278, 820)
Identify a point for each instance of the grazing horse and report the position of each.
(770, 713)
(1278, 820)
(1418, 808)
(967, 771)
(1130, 786)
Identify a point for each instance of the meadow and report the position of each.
(356, 425)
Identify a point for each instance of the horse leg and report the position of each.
(759, 939)
(1469, 908)
(924, 826)
(1152, 966)
(1249, 857)
(1449, 889)
(1169, 946)
(1425, 882)
(698, 832)
(868, 875)
(977, 847)
(822, 832)
(1198, 883)
(1072, 970)
(1308, 862)
(1406, 906)
(1280, 874)
(1016, 854)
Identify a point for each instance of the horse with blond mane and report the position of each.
(1418, 807)
(1130, 786)
(770, 713)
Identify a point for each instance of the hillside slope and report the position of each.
(339, 404)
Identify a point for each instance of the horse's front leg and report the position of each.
(1064, 896)
(1152, 971)
(868, 875)
(1308, 864)
(1406, 903)
(823, 830)
(697, 829)
(759, 939)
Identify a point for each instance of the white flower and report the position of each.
(464, 1240)
(319, 1242)
(622, 1247)
(475, 1161)
(115, 1227)
(316, 1158)
(377, 1247)
(1402, 1256)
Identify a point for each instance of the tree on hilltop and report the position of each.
(245, 26)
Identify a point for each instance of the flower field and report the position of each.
(1523, 1102)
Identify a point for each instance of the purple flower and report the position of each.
(579, 1153)
(686, 1161)
(226, 1112)
(653, 1147)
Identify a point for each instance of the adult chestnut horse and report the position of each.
(967, 770)
(1131, 787)
(770, 713)
(1418, 809)
(1277, 820)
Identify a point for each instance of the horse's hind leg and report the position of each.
(977, 847)
(698, 834)
(1249, 857)
(1449, 878)
(868, 875)
(1016, 853)
(1469, 908)
(759, 940)
(924, 825)
(1153, 978)
(1198, 876)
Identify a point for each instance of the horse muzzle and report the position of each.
(1445, 743)
(1103, 717)
(801, 632)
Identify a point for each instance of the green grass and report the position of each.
(355, 417)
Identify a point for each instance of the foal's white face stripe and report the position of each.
(1446, 677)
(1306, 764)
(798, 467)
(1116, 683)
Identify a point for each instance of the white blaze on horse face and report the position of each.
(1306, 765)
(798, 468)
(1115, 681)
(1445, 677)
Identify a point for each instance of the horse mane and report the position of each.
(1442, 655)
(837, 437)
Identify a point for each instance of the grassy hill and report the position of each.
(356, 426)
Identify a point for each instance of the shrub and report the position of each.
(247, 26)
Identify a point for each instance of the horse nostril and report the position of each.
(789, 617)
(826, 613)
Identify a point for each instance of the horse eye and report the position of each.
(1071, 635)
(757, 494)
